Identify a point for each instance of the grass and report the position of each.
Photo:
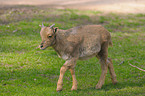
(28, 71)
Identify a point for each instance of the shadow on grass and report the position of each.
(48, 78)
(110, 86)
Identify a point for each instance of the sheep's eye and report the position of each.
(50, 36)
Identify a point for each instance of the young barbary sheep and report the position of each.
(81, 43)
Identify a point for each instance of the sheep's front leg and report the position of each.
(69, 64)
(60, 80)
(74, 87)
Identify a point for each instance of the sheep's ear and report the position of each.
(55, 29)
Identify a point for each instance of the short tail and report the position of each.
(110, 43)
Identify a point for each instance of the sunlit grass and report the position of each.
(26, 70)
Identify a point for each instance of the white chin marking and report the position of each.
(43, 48)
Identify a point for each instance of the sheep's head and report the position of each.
(48, 36)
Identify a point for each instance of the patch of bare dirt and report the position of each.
(120, 6)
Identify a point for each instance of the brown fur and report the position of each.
(81, 42)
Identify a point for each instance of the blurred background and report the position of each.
(124, 6)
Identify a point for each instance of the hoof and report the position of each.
(59, 89)
(73, 88)
(98, 87)
(115, 82)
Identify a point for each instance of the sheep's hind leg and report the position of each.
(103, 74)
(102, 56)
(111, 70)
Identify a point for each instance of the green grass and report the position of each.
(28, 71)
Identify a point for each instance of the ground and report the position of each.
(26, 70)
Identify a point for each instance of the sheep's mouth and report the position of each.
(42, 47)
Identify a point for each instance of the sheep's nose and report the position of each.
(41, 46)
